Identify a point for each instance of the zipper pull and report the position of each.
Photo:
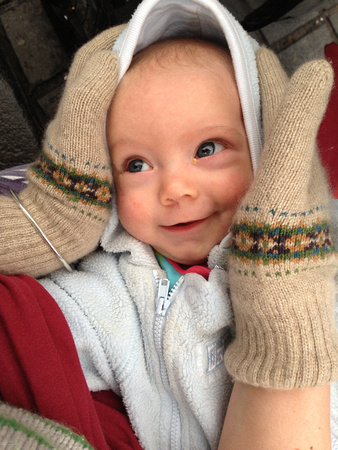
(162, 301)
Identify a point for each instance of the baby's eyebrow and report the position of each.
(221, 127)
(112, 142)
(215, 131)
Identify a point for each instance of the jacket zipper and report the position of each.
(163, 301)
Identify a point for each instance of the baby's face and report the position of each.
(180, 158)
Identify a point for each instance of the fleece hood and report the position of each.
(155, 20)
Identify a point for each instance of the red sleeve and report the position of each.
(328, 130)
(40, 369)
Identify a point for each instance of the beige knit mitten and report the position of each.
(70, 186)
(22, 430)
(282, 264)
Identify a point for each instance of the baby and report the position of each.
(211, 306)
(181, 166)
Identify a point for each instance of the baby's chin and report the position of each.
(185, 263)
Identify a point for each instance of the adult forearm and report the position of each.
(259, 418)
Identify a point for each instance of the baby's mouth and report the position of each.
(185, 225)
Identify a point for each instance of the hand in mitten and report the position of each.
(282, 264)
(70, 186)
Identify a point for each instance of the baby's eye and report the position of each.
(137, 165)
(209, 148)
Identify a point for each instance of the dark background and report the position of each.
(39, 37)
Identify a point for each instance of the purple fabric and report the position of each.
(13, 178)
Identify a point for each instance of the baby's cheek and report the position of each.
(131, 211)
(233, 188)
(242, 186)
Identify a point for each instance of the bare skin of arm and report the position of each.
(267, 419)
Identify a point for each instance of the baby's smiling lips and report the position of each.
(184, 226)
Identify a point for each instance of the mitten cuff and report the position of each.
(21, 429)
(285, 330)
(74, 231)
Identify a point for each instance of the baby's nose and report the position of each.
(178, 187)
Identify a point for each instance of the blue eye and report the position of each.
(137, 165)
(208, 148)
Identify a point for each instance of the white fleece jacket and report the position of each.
(169, 366)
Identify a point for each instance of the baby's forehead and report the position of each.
(172, 59)
(183, 52)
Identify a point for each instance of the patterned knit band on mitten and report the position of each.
(282, 265)
(74, 163)
(20, 429)
(70, 190)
